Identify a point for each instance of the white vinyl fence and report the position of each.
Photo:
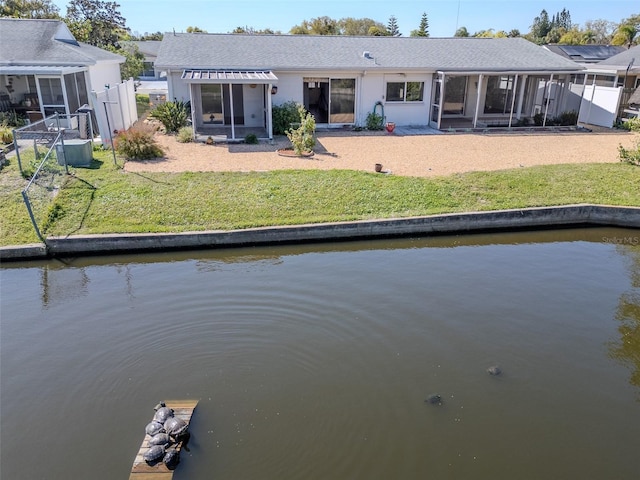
(115, 109)
(599, 105)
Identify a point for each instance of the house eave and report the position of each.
(509, 72)
(41, 69)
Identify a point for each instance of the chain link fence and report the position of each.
(42, 158)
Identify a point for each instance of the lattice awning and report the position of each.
(228, 76)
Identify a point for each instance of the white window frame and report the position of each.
(404, 92)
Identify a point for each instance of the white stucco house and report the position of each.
(43, 69)
(233, 80)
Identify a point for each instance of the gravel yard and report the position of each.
(410, 155)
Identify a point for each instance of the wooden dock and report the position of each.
(141, 470)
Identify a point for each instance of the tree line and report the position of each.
(100, 23)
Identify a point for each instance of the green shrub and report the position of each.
(142, 98)
(374, 121)
(631, 124)
(569, 118)
(6, 134)
(185, 135)
(631, 155)
(283, 116)
(173, 115)
(303, 138)
(137, 143)
(538, 119)
(12, 120)
(565, 119)
(251, 139)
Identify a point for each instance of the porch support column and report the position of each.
(475, 115)
(233, 123)
(513, 99)
(193, 109)
(269, 118)
(441, 100)
(523, 84)
(546, 106)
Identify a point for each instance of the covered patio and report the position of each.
(35, 92)
(229, 104)
(480, 100)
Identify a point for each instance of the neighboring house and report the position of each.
(585, 54)
(149, 49)
(43, 69)
(233, 80)
(621, 70)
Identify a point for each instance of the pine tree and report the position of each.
(564, 19)
(423, 29)
(541, 25)
(392, 27)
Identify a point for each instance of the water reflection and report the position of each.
(314, 361)
(627, 349)
(62, 285)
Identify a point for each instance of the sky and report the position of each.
(445, 16)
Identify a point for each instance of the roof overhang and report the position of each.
(55, 70)
(613, 70)
(511, 72)
(229, 76)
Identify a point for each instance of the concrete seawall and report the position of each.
(456, 223)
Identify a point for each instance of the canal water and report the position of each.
(314, 362)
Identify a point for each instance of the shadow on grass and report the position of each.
(82, 186)
(94, 165)
(138, 174)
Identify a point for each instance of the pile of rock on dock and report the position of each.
(166, 432)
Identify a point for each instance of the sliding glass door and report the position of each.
(330, 100)
(343, 100)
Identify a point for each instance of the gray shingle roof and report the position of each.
(34, 42)
(623, 59)
(147, 47)
(308, 52)
(585, 53)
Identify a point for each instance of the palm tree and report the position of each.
(625, 35)
(588, 37)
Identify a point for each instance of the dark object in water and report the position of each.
(434, 399)
(494, 370)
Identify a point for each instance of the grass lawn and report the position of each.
(105, 199)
